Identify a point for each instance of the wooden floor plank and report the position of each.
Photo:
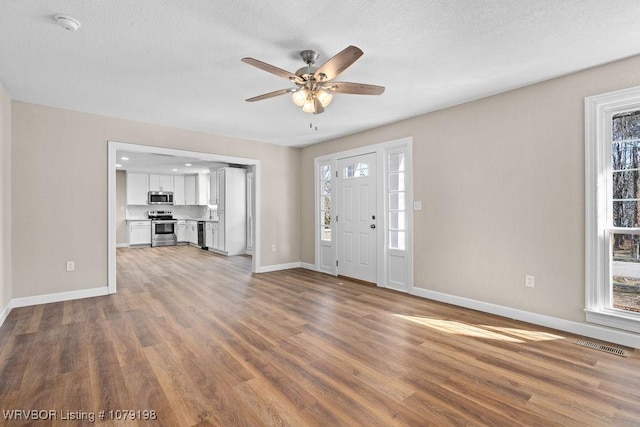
(198, 338)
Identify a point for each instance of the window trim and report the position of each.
(599, 110)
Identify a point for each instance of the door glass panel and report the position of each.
(396, 162)
(396, 239)
(396, 182)
(396, 220)
(396, 201)
(356, 170)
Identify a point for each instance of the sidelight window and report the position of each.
(397, 206)
(325, 202)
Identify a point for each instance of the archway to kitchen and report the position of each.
(252, 165)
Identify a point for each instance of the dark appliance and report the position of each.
(201, 235)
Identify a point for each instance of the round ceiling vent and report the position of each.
(67, 22)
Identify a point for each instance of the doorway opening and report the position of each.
(156, 156)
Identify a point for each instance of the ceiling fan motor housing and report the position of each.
(309, 56)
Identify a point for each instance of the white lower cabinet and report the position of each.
(139, 233)
(216, 236)
(192, 232)
(181, 233)
(208, 234)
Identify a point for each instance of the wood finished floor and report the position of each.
(199, 339)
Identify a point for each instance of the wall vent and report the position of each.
(605, 348)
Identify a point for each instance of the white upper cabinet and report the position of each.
(190, 190)
(137, 188)
(178, 190)
(160, 182)
(221, 188)
(203, 189)
(213, 188)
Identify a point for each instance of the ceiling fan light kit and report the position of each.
(314, 91)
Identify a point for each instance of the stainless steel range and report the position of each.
(163, 228)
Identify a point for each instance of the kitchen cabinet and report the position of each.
(221, 187)
(208, 234)
(181, 232)
(139, 233)
(203, 189)
(178, 190)
(216, 236)
(232, 211)
(160, 182)
(192, 232)
(196, 189)
(213, 187)
(137, 188)
(190, 190)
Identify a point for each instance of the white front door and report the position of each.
(356, 222)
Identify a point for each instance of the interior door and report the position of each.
(356, 217)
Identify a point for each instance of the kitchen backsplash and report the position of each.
(179, 212)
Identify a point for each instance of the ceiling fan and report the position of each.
(314, 87)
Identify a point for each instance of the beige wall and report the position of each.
(5, 196)
(122, 235)
(501, 181)
(59, 182)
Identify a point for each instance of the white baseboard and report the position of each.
(308, 266)
(5, 312)
(122, 245)
(278, 267)
(60, 296)
(616, 336)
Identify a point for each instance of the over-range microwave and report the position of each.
(160, 197)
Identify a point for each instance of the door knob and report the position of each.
(373, 226)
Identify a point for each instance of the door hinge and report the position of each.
(336, 174)
(336, 263)
(336, 218)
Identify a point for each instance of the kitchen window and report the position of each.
(612, 156)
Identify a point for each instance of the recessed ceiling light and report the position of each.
(67, 22)
(187, 164)
(118, 165)
(175, 170)
(124, 158)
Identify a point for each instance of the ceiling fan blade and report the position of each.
(270, 68)
(340, 62)
(318, 106)
(270, 95)
(353, 88)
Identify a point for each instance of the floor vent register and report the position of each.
(605, 348)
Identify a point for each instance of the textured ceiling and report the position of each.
(177, 63)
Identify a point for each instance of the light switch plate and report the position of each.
(417, 206)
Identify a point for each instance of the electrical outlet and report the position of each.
(71, 265)
(529, 281)
(273, 248)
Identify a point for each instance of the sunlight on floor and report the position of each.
(480, 331)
